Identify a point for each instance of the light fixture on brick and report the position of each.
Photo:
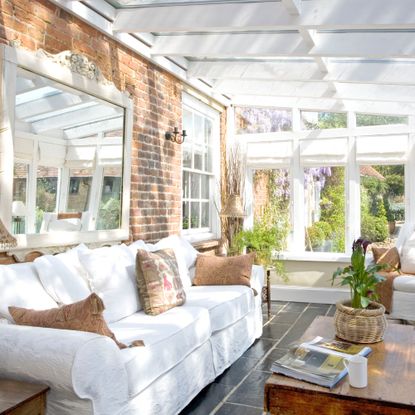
(176, 136)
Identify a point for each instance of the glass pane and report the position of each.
(312, 120)
(198, 157)
(21, 173)
(187, 155)
(80, 182)
(208, 160)
(188, 123)
(272, 195)
(324, 193)
(205, 187)
(195, 191)
(205, 214)
(199, 130)
(109, 214)
(262, 120)
(185, 184)
(382, 203)
(46, 192)
(208, 131)
(195, 215)
(185, 207)
(363, 120)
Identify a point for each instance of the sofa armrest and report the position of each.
(85, 364)
(257, 278)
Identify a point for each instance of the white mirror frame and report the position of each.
(82, 75)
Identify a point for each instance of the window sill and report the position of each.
(315, 257)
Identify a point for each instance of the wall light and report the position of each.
(176, 136)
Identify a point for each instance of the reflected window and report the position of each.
(80, 182)
(249, 120)
(46, 192)
(20, 182)
(109, 214)
(313, 120)
(325, 208)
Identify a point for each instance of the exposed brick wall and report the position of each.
(156, 163)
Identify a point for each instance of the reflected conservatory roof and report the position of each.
(335, 55)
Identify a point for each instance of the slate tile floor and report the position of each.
(239, 391)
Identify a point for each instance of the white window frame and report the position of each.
(296, 248)
(213, 231)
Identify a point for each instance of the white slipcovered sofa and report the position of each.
(186, 347)
(403, 299)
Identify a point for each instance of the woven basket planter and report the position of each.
(360, 325)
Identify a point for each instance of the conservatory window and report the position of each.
(20, 183)
(382, 202)
(324, 209)
(313, 120)
(262, 120)
(200, 170)
(364, 120)
(80, 182)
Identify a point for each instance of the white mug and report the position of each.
(357, 367)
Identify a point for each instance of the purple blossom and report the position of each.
(316, 176)
(360, 243)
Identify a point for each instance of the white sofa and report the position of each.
(186, 347)
(403, 300)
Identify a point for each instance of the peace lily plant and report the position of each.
(361, 279)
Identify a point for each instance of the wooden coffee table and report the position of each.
(390, 390)
(22, 398)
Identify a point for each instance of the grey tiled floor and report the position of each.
(239, 391)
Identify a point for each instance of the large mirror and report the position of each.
(69, 159)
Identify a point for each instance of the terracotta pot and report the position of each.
(360, 325)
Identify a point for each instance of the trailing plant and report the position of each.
(361, 280)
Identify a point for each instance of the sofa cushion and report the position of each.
(168, 337)
(226, 304)
(387, 256)
(215, 270)
(61, 277)
(405, 283)
(112, 277)
(408, 256)
(159, 284)
(85, 315)
(20, 286)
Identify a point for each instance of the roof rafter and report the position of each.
(316, 14)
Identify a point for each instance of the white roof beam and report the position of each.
(325, 104)
(364, 92)
(74, 118)
(316, 14)
(93, 128)
(230, 45)
(293, 44)
(392, 73)
(293, 6)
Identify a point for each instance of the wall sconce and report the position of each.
(176, 136)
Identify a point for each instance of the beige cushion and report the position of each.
(408, 256)
(215, 270)
(85, 315)
(387, 256)
(159, 283)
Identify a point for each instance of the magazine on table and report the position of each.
(319, 361)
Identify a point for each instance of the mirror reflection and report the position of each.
(68, 150)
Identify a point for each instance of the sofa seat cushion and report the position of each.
(405, 283)
(168, 338)
(226, 303)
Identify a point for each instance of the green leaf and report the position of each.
(365, 301)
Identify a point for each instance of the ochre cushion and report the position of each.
(85, 315)
(386, 256)
(215, 270)
(159, 284)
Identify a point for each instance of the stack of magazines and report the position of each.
(319, 361)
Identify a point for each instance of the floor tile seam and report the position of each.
(291, 327)
(242, 404)
(220, 404)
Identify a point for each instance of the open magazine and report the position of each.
(319, 361)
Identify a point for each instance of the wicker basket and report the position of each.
(360, 325)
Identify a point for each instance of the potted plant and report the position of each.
(361, 319)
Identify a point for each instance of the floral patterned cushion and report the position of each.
(159, 283)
